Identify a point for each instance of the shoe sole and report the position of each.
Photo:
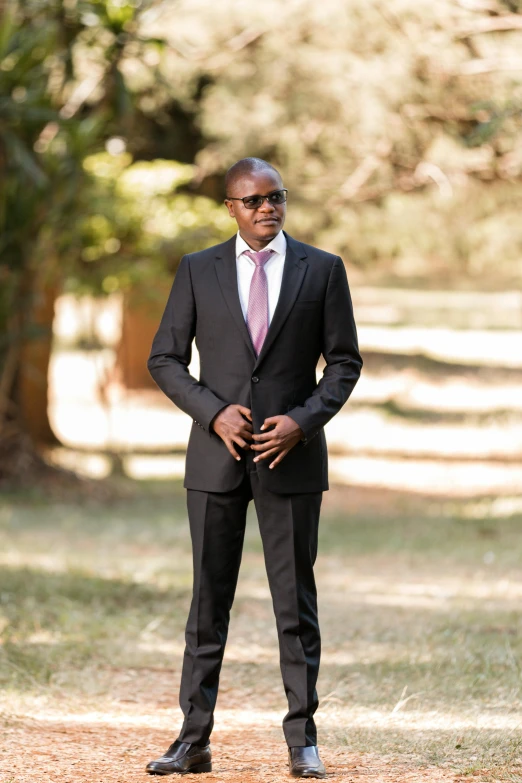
(309, 774)
(192, 771)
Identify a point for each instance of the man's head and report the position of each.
(255, 177)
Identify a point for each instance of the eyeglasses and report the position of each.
(254, 202)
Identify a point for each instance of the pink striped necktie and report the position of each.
(257, 312)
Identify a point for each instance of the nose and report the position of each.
(266, 206)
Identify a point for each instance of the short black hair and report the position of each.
(246, 166)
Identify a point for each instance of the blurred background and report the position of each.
(397, 127)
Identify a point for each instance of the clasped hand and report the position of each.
(279, 434)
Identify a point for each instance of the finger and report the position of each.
(278, 459)
(266, 454)
(240, 442)
(247, 426)
(270, 444)
(232, 450)
(245, 411)
(271, 420)
(264, 436)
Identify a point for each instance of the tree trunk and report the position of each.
(140, 321)
(31, 394)
(26, 332)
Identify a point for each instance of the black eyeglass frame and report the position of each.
(263, 199)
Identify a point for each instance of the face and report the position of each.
(257, 226)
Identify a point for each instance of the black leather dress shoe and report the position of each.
(182, 758)
(305, 762)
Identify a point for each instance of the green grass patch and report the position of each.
(412, 607)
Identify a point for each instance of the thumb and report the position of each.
(245, 411)
(268, 422)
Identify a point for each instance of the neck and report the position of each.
(257, 244)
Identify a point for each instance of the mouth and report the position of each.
(268, 221)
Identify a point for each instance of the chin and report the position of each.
(269, 229)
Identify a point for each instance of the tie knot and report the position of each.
(260, 257)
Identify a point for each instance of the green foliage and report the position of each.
(68, 91)
(365, 106)
(435, 238)
(140, 224)
(40, 160)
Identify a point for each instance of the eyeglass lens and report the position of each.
(253, 202)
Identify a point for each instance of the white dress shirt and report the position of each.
(273, 268)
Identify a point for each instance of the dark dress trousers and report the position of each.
(313, 317)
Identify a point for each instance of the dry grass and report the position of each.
(420, 612)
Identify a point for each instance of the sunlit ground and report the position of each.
(420, 614)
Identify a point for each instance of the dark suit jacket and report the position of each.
(313, 316)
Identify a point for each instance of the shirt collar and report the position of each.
(278, 244)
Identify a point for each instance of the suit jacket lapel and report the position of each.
(226, 271)
(294, 271)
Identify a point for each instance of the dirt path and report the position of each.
(84, 753)
(60, 738)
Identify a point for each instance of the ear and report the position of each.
(230, 207)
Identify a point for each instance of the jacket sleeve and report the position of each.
(341, 354)
(172, 351)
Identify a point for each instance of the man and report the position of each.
(262, 308)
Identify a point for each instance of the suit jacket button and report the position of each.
(255, 379)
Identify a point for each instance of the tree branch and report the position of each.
(480, 5)
(489, 65)
(492, 24)
(364, 171)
